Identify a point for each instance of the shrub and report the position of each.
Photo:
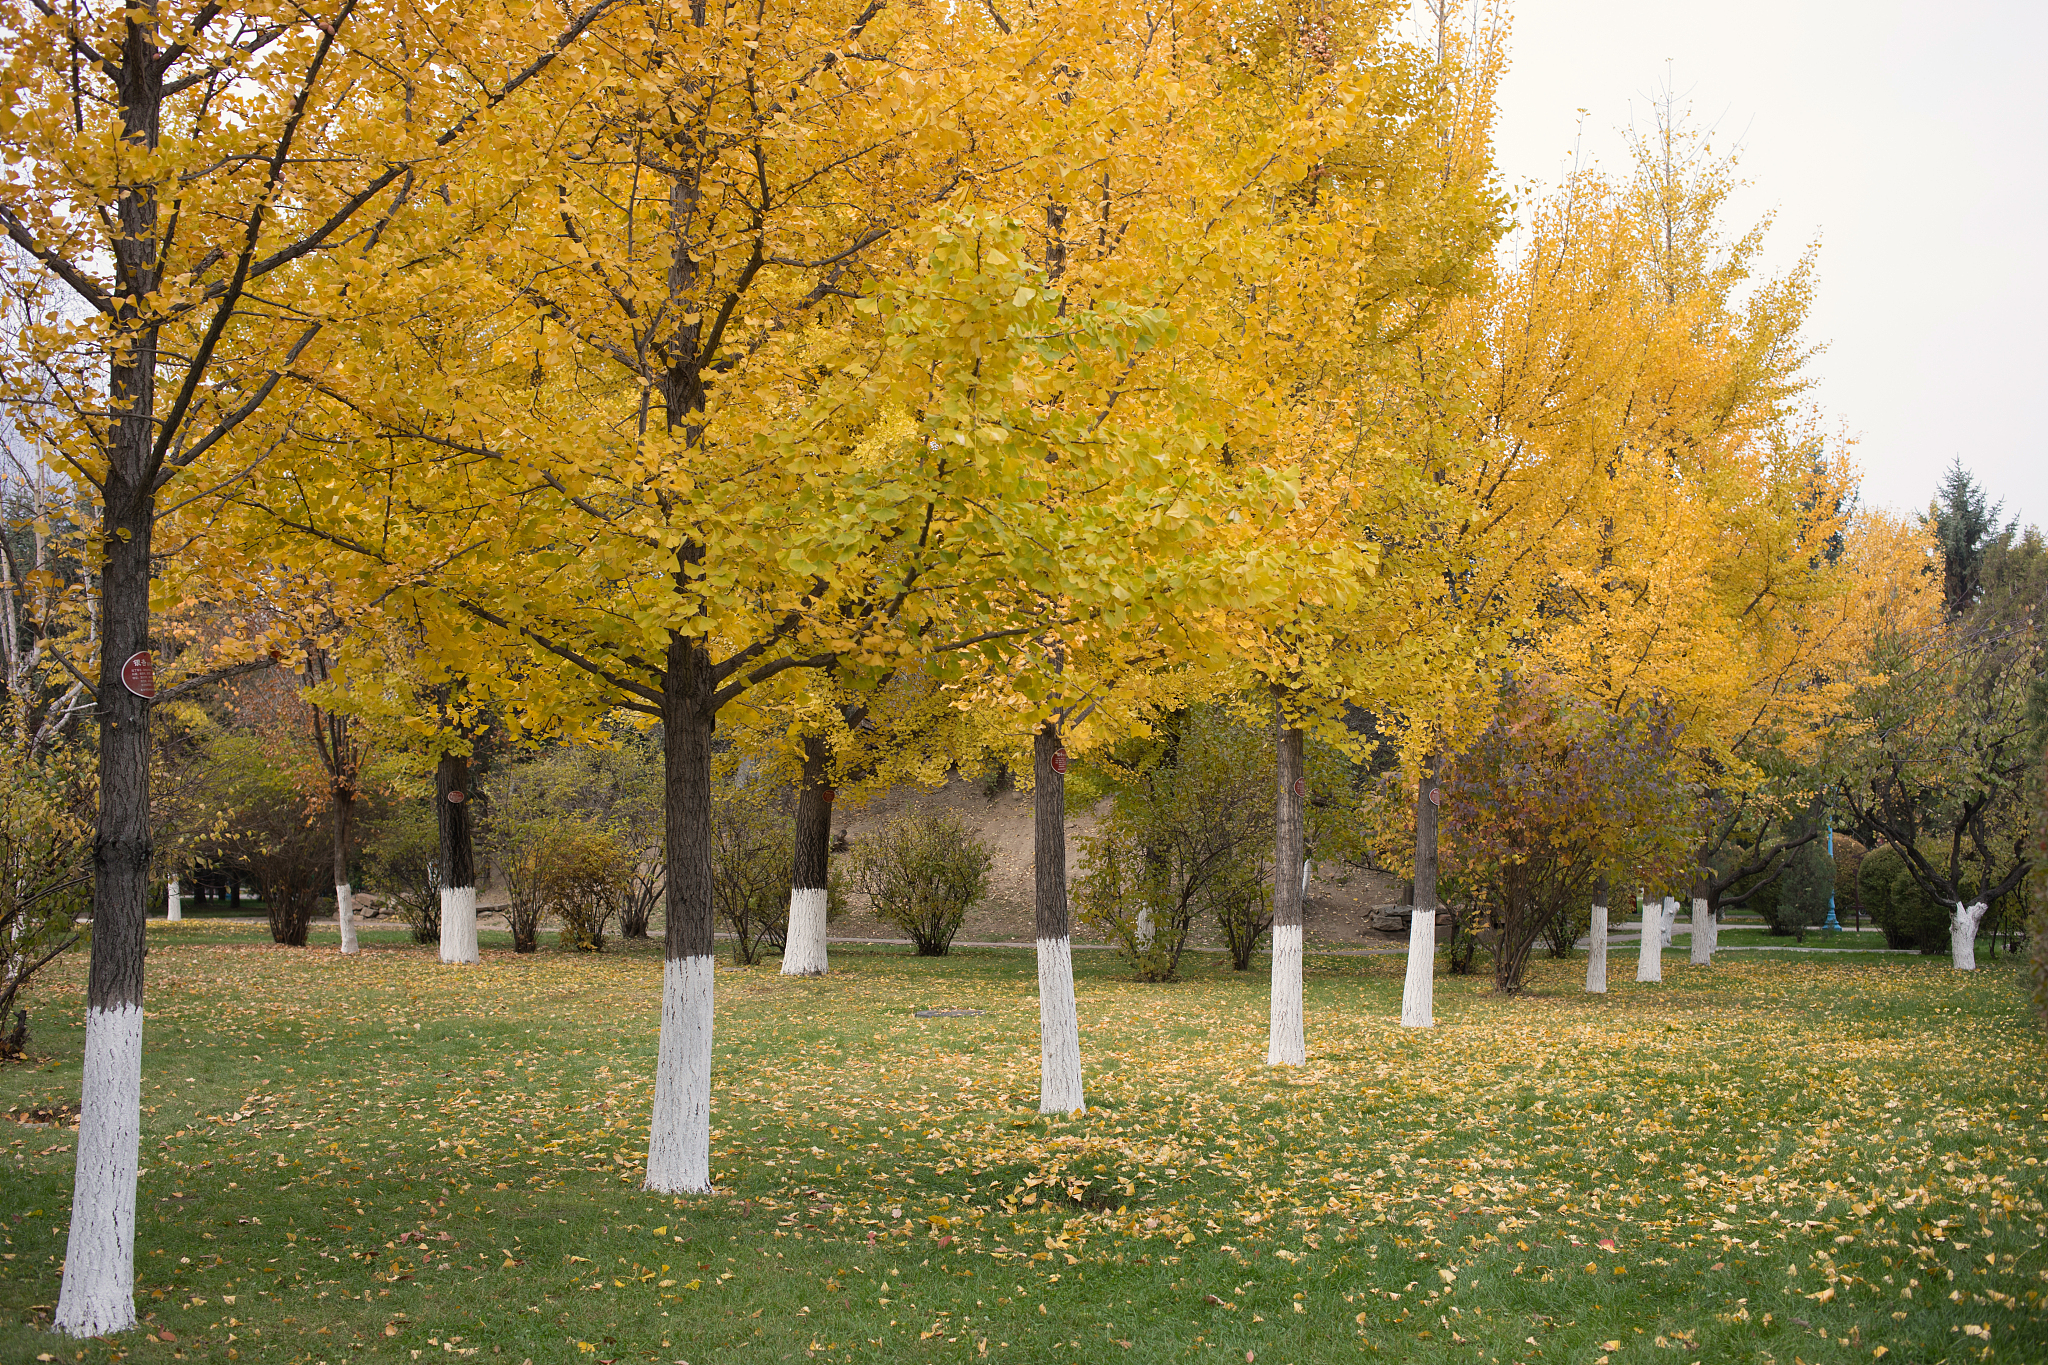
(1848, 863)
(1574, 918)
(565, 867)
(1909, 917)
(616, 788)
(922, 874)
(1190, 835)
(1802, 890)
(400, 858)
(1244, 915)
(752, 853)
(45, 852)
(264, 825)
(586, 881)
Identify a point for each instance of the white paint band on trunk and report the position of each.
(1596, 953)
(1670, 919)
(1650, 956)
(175, 907)
(1702, 934)
(1962, 935)
(345, 916)
(1418, 992)
(1284, 1043)
(803, 952)
(458, 924)
(1059, 1030)
(679, 1139)
(98, 1298)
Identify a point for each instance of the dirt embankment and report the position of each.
(1338, 897)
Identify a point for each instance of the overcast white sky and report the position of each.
(1909, 138)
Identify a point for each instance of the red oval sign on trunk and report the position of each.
(138, 675)
(1059, 761)
(457, 797)
(1436, 796)
(1301, 786)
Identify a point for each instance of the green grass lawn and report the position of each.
(385, 1159)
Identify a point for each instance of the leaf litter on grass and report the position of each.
(1749, 1157)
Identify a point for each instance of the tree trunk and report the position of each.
(1668, 921)
(1650, 956)
(1962, 935)
(1059, 1023)
(1596, 952)
(804, 950)
(1702, 954)
(458, 860)
(98, 1295)
(1285, 1045)
(344, 815)
(679, 1139)
(175, 906)
(1418, 1005)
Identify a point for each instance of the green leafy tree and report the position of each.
(1965, 525)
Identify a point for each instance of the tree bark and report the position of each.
(1059, 1024)
(98, 1295)
(1702, 947)
(1596, 953)
(343, 811)
(1418, 1003)
(1650, 955)
(1285, 1045)
(453, 799)
(679, 1140)
(1962, 935)
(804, 951)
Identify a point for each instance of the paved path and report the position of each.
(1614, 940)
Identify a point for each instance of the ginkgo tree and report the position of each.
(1393, 203)
(1639, 511)
(175, 169)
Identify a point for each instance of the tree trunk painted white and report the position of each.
(1418, 992)
(803, 952)
(1146, 930)
(679, 1149)
(341, 810)
(458, 924)
(1668, 920)
(1285, 1045)
(1059, 1022)
(1962, 935)
(1650, 957)
(679, 1129)
(1059, 1030)
(345, 916)
(98, 1297)
(175, 905)
(1702, 934)
(458, 859)
(1596, 953)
